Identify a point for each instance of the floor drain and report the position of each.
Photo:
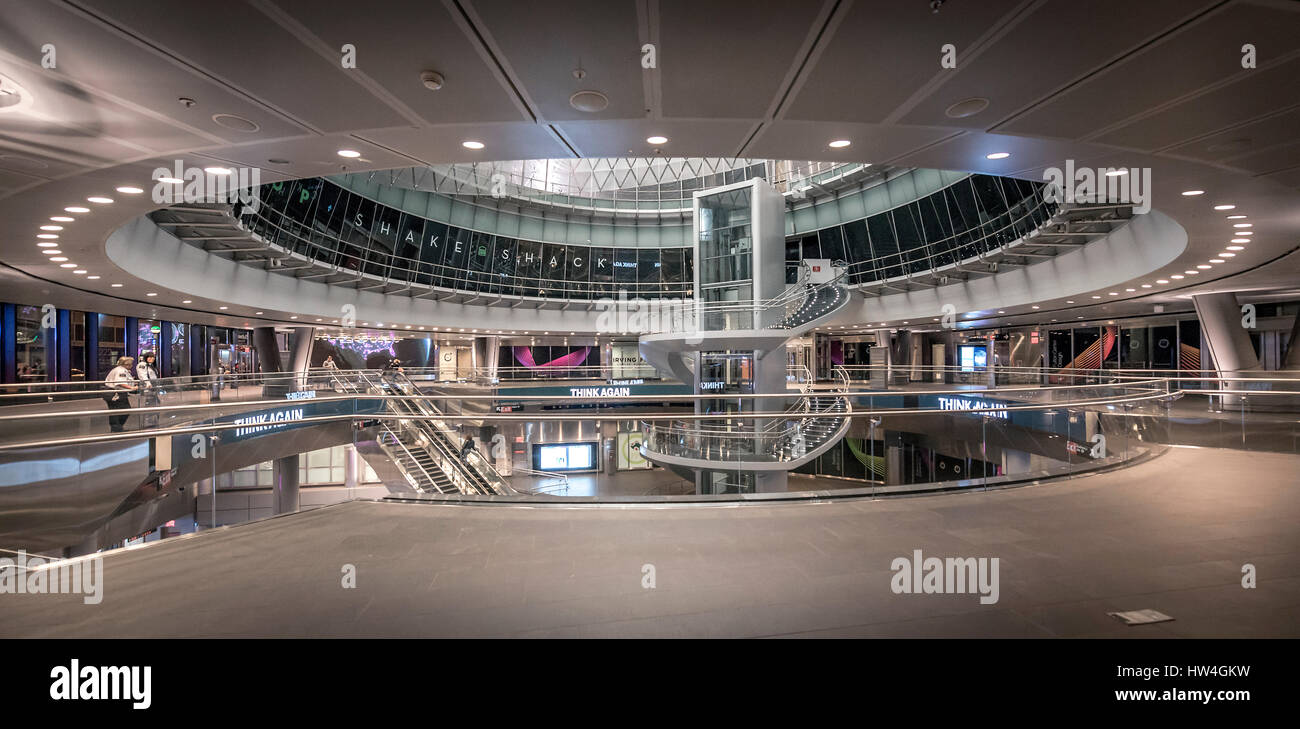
(1141, 617)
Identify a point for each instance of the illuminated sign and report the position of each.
(600, 391)
(266, 421)
(300, 395)
(953, 403)
(712, 385)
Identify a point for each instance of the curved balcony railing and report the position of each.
(985, 238)
(382, 245)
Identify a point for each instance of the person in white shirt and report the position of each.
(122, 382)
(146, 373)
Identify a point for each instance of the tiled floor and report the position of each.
(1171, 534)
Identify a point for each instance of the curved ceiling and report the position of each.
(1109, 83)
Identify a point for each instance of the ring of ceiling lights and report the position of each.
(148, 252)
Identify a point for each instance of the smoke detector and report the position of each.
(432, 80)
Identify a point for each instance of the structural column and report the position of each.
(284, 485)
(268, 349)
(1226, 338)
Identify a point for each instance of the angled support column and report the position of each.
(1227, 340)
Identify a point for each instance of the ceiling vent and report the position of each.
(589, 101)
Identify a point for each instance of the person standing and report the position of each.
(147, 376)
(122, 382)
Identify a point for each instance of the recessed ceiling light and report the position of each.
(1146, 286)
(51, 227)
(218, 171)
(1236, 248)
(257, 313)
(80, 271)
(1240, 240)
(223, 308)
(1243, 225)
(52, 251)
(1217, 260)
(93, 278)
(100, 200)
(152, 293)
(57, 259)
(1226, 254)
(1034, 307)
(77, 209)
(294, 317)
(1204, 266)
(349, 153)
(1069, 301)
(1162, 280)
(1192, 272)
(656, 139)
(116, 286)
(1236, 217)
(1189, 193)
(128, 190)
(1130, 290)
(1177, 277)
(1113, 293)
(1096, 297)
(472, 144)
(1224, 207)
(188, 301)
(838, 144)
(170, 180)
(1243, 232)
(67, 265)
(997, 155)
(1116, 173)
(47, 236)
(61, 219)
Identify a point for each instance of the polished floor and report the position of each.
(1171, 534)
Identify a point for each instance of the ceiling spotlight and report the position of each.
(1177, 277)
(1034, 307)
(1204, 266)
(128, 190)
(997, 155)
(1236, 248)
(1243, 232)
(1224, 207)
(1069, 301)
(58, 259)
(51, 251)
(152, 293)
(51, 227)
(92, 278)
(349, 153)
(80, 271)
(100, 200)
(223, 308)
(472, 144)
(1217, 260)
(1116, 173)
(67, 265)
(77, 209)
(840, 144)
(1189, 193)
(1096, 297)
(188, 301)
(1192, 272)
(47, 236)
(257, 313)
(1146, 286)
(116, 286)
(61, 219)
(170, 180)
(1226, 254)
(1236, 217)
(1240, 240)
(656, 139)
(218, 171)
(1130, 290)
(1243, 225)
(295, 316)
(1162, 280)
(1113, 293)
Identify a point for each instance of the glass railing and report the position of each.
(70, 481)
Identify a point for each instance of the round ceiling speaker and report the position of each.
(432, 80)
(236, 123)
(589, 101)
(968, 107)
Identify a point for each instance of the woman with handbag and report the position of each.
(122, 382)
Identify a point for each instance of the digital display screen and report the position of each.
(973, 357)
(565, 457)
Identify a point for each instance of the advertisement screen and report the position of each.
(565, 457)
(973, 357)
